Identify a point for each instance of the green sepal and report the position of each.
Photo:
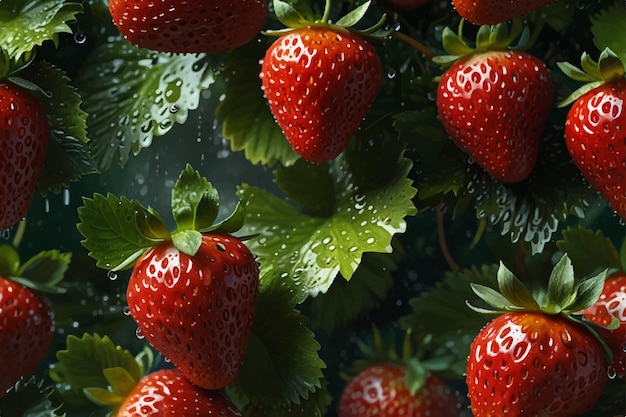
(561, 286)
(187, 241)
(195, 202)
(232, 223)
(120, 380)
(5, 63)
(118, 231)
(491, 297)
(454, 45)
(588, 292)
(513, 290)
(29, 398)
(610, 66)
(354, 16)
(9, 260)
(288, 15)
(415, 375)
(104, 397)
(44, 271)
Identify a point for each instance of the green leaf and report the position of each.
(104, 397)
(492, 297)
(590, 251)
(81, 365)
(247, 120)
(282, 364)
(45, 270)
(120, 380)
(514, 291)
(28, 398)
(68, 157)
(354, 16)
(9, 260)
(133, 95)
(441, 312)
(118, 230)
(607, 27)
(29, 23)
(347, 300)
(195, 202)
(307, 251)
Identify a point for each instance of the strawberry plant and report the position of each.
(254, 195)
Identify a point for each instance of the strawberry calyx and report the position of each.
(565, 296)
(488, 38)
(301, 16)
(412, 356)
(118, 231)
(43, 272)
(607, 69)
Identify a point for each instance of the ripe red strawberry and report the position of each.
(596, 137)
(189, 27)
(320, 83)
(197, 310)
(534, 364)
(612, 303)
(491, 12)
(494, 106)
(380, 390)
(26, 331)
(169, 393)
(24, 136)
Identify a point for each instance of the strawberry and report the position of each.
(595, 139)
(320, 81)
(189, 27)
(197, 310)
(380, 390)
(612, 303)
(494, 104)
(536, 360)
(169, 393)
(24, 136)
(491, 12)
(26, 331)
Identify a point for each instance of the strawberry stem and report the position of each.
(414, 43)
(442, 240)
(19, 234)
(326, 15)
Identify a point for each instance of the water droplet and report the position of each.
(612, 372)
(139, 333)
(80, 37)
(126, 311)
(112, 275)
(6, 234)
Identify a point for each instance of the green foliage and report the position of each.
(68, 158)
(29, 398)
(346, 301)
(606, 27)
(27, 24)
(81, 365)
(133, 95)
(307, 250)
(282, 367)
(118, 230)
(590, 251)
(247, 121)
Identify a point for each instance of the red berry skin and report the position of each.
(534, 364)
(189, 26)
(494, 106)
(24, 137)
(612, 303)
(595, 135)
(26, 332)
(197, 311)
(168, 393)
(380, 390)
(491, 12)
(320, 84)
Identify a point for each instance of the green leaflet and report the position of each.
(589, 251)
(608, 28)
(68, 157)
(247, 121)
(133, 95)
(81, 365)
(27, 24)
(308, 251)
(282, 365)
